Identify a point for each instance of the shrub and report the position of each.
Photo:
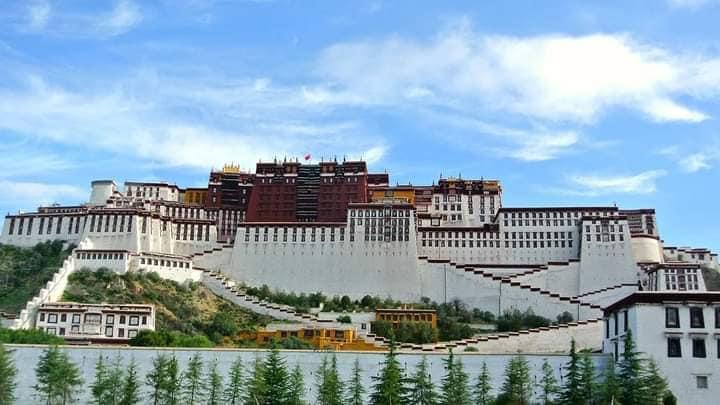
(565, 317)
(406, 332)
(344, 319)
(29, 336)
(515, 320)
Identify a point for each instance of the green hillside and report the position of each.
(24, 271)
(712, 278)
(188, 309)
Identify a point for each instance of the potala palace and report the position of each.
(336, 228)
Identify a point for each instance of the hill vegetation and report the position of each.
(712, 278)
(186, 315)
(24, 271)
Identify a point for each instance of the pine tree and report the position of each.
(275, 377)
(98, 388)
(329, 385)
(548, 384)
(58, 379)
(255, 384)
(389, 388)
(421, 390)
(114, 383)
(297, 387)
(193, 386)
(587, 378)
(630, 369)
(571, 393)
(234, 390)
(171, 384)
(654, 385)
(8, 372)
(517, 388)
(483, 387)
(213, 384)
(131, 386)
(156, 378)
(609, 390)
(355, 389)
(454, 389)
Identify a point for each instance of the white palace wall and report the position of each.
(560, 278)
(348, 268)
(605, 263)
(444, 282)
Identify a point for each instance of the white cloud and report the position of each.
(121, 19)
(544, 146)
(374, 154)
(593, 185)
(691, 162)
(551, 77)
(529, 145)
(196, 123)
(695, 162)
(31, 194)
(38, 15)
(692, 4)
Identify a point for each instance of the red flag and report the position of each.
(307, 157)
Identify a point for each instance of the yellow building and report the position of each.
(397, 315)
(333, 337)
(405, 193)
(195, 196)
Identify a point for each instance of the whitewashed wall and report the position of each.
(309, 361)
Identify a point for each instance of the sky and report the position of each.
(565, 102)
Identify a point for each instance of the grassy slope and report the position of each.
(24, 271)
(189, 309)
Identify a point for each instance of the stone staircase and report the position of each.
(228, 289)
(509, 280)
(587, 335)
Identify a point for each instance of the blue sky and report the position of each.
(567, 103)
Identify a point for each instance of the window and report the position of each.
(63, 318)
(108, 331)
(132, 333)
(674, 349)
(76, 318)
(75, 329)
(121, 332)
(122, 320)
(42, 317)
(625, 321)
(672, 318)
(110, 319)
(699, 348)
(607, 328)
(696, 318)
(52, 318)
(702, 381)
(615, 320)
(717, 317)
(134, 320)
(62, 332)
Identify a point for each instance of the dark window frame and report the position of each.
(697, 322)
(699, 348)
(674, 347)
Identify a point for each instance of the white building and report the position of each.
(96, 323)
(680, 331)
(459, 242)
